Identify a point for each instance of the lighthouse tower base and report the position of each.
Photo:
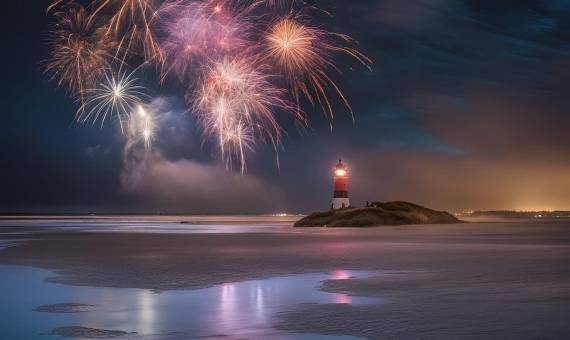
(339, 203)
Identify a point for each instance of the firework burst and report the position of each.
(198, 31)
(117, 96)
(242, 63)
(235, 104)
(304, 54)
(79, 51)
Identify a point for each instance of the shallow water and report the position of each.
(9, 243)
(155, 224)
(243, 309)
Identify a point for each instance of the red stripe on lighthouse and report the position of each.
(340, 183)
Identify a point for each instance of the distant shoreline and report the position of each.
(511, 214)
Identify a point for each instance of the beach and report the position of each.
(508, 280)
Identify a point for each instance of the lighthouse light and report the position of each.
(340, 172)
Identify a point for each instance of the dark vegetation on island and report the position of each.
(378, 214)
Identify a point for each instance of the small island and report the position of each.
(377, 214)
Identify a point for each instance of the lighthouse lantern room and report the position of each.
(340, 197)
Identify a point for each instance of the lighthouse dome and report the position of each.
(340, 170)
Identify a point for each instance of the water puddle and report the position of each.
(242, 310)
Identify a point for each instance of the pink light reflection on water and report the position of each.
(242, 308)
(340, 274)
(245, 309)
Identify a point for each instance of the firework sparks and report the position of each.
(197, 31)
(79, 51)
(279, 4)
(305, 55)
(54, 5)
(236, 140)
(141, 127)
(132, 23)
(235, 104)
(116, 96)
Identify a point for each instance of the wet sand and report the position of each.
(477, 280)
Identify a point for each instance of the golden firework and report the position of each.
(304, 54)
(79, 51)
(132, 22)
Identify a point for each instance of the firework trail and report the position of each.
(304, 54)
(54, 5)
(117, 96)
(79, 51)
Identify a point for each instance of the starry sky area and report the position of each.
(466, 108)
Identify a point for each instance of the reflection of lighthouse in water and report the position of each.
(340, 198)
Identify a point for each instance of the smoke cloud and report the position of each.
(164, 180)
(192, 187)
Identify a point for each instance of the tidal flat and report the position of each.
(507, 280)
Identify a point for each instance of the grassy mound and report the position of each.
(377, 214)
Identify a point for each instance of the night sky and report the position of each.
(466, 108)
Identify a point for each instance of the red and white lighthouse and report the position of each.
(340, 197)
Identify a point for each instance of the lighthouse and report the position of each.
(340, 197)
